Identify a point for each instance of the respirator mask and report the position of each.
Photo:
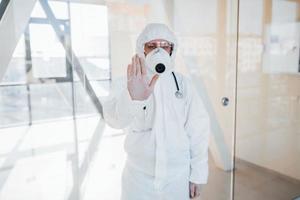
(158, 61)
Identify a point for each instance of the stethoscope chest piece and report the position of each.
(178, 94)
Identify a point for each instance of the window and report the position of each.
(41, 78)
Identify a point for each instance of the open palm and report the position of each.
(137, 82)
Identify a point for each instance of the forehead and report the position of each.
(157, 41)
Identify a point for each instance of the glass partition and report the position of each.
(207, 45)
(3, 5)
(268, 88)
(51, 124)
(61, 58)
(60, 62)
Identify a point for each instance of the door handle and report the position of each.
(225, 101)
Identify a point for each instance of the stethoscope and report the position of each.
(178, 94)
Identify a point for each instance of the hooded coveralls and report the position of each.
(167, 137)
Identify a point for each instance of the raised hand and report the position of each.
(138, 85)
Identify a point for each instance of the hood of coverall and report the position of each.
(156, 31)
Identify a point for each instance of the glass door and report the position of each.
(207, 32)
(207, 38)
(268, 101)
(54, 142)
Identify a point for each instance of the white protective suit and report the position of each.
(167, 137)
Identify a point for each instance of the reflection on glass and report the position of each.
(102, 88)
(14, 107)
(59, 9)
(61, 157)
(267, 136)
(36, 158)
(90, 39)
(84, 104)
(16, 71)
(48, 55)
(38, 11)
(281, 48)
(206, 53)
(51, 101)
(50, 130)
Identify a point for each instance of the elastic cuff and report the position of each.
(133, 106)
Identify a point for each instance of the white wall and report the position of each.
(268, 119)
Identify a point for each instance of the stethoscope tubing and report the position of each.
(178, 94)
(175, 79)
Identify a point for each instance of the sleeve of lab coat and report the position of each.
(119, 109)
(197, 126)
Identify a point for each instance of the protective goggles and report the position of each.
(162, 44)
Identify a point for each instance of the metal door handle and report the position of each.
(225, 101)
